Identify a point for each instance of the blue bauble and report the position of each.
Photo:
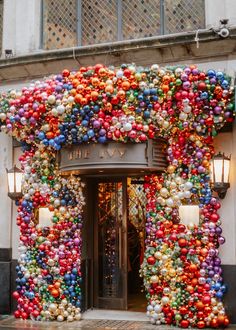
(41, 135)
(45, 142)
(74, 271)
(78, 303)
(91, 133)
(155, 98)
(74, 131)
(146, 114)
(219, 294)
(204, 95)
(153, 91)
(96, 108)
(85, 138)
(217, 286)
(225, 84)
(84, 123)
(57, 140)
(219, 75)
(102, 139)
(61, 138)
(86, 108)
(51, 142)
(223, 288)
(57, 146)
(146, 92)
(30, 295)
(63, 202)
(140, 98)
(211, 73)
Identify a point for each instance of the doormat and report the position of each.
(116, 324)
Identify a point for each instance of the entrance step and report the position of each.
(104, 314)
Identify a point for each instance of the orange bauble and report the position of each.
(125, 85)
(55, 293)
(193, 268)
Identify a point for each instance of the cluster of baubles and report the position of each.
(185, 106)
(98, 104)
(181, 270)
(49, 268)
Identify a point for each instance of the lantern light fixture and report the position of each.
(220, 166)
(14, 178)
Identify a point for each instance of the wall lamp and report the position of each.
(220, 165)
(14, 179)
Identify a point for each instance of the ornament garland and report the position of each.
(183, 105)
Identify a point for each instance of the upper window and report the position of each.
(86, 22)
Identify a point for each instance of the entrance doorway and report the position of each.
(117, 215)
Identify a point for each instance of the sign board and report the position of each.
(113, 157)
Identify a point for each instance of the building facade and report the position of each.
(40, 38)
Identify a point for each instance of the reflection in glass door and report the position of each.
(110, 251)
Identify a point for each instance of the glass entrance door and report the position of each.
(110, 245)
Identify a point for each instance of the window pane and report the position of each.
(59, 24)
(184, 15)
(110, 213)
(140, 18)
(99, 21)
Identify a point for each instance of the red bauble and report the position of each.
(182, 242)
(184, 251)
(201, 324)
(184, 324)
(24, 315)
(214, 217)
(214, 323)
(16, 295)
(159, 234)
(183, 310)
(226, 322)
(151, 260)
(17, 314)
(35, 313)
(206, 299)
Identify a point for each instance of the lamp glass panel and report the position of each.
(18, 181)
(189, 214)
(226, 170)
(211, 171)
(45, 216)
(218, 166)
(11, 185)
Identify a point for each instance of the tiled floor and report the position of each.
(11, 323)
